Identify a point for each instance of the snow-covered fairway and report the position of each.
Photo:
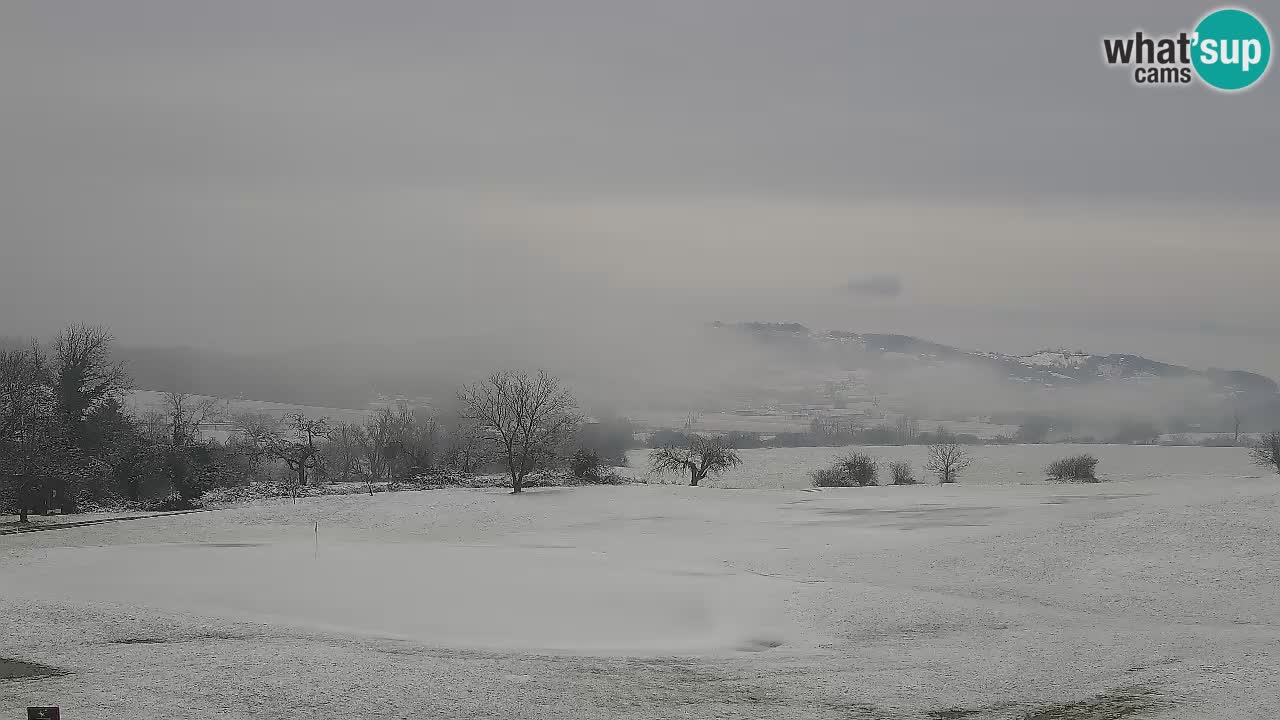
(1154, 596)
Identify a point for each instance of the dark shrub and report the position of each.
(605, 477)
(1138, 432)
(586, 465)
(172, 503)
(1266, 450)
(610, 438)
(794, 439)
(901, 472)
(829, 477)
(877, 436)
(1034, 430)
(856, 470)
(663, 438)
(139, 468)
(740, 440)
(1077, 468)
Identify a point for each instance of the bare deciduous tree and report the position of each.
(254, 434)
(28, 432)
(947, 458)
(901, 472)
(402, 440)
(344, 451)
(907, 428)
(298, 445)
(529, 416)
(85, 376)
(702, 457)
(185, 414)
(1266, 450)
(376, 440)
(469, 446)
(24, 385)
(153, 424)
(419, 440)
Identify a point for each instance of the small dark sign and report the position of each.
(43, 713)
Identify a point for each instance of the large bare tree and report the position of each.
(703, 456)
(529, 416)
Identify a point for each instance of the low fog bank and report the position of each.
(610, 369)
(1130, 410)
(638, 367)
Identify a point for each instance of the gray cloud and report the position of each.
(245, 174)
(879, 285)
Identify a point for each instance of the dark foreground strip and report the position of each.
(82, 523)
(11, 669)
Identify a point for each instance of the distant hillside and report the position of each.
(258, 377)
(339, 375)
(1050, 368)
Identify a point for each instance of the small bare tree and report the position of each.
(702, 457)
(344, 450)
(1266, 450)
(947, 458)
(530, 417)
(254, 433)
(901, 472)
(153, 424)
(414, 440)
(907, 428)
(469, 446)
(378, 441)
(185, 413)
(298, 445)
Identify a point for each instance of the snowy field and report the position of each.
(1151, 596)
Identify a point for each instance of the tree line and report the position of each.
(68, 439)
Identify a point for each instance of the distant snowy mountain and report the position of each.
(1050, 368)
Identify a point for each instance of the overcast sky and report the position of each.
(251, 174)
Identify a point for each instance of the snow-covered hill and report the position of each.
(1051, 368)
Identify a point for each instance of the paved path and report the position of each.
(58, 526)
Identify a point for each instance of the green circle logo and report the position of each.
(1231, 49)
